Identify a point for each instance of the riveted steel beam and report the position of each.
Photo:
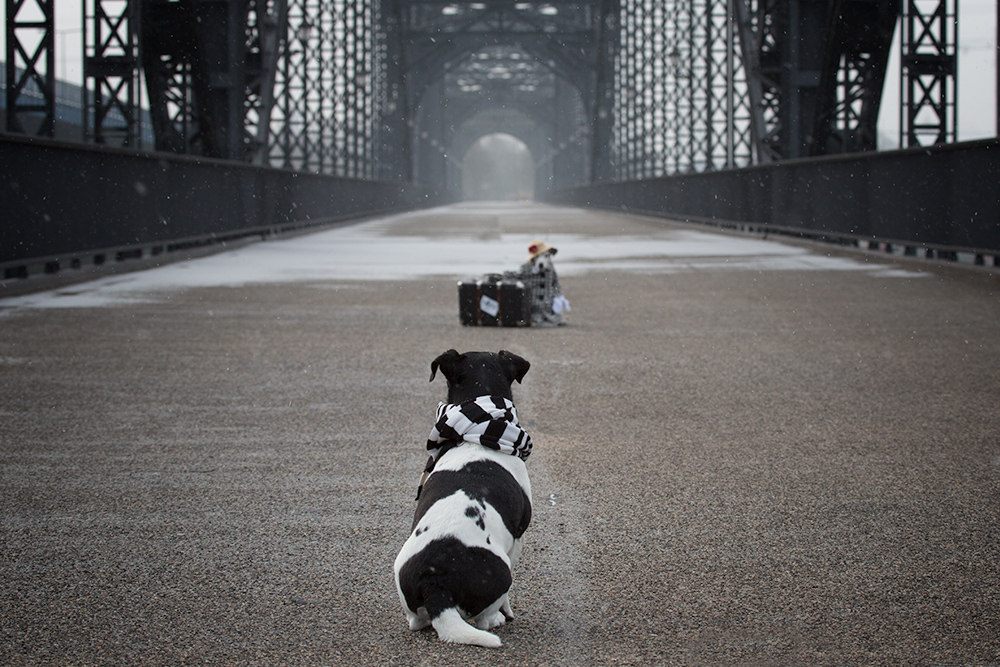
(31, 76)
(111, 72)
(929, 44)
(858, 41)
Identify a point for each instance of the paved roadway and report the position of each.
(748, 452)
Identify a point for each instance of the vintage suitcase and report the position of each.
(494, 301)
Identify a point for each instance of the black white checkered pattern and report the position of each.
(490, 421)
(544, 287)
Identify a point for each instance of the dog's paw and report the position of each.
(417, 623)
(490, 622)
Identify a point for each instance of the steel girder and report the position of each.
(209, 69)
(603, 114)
(784, 40)
(31, 92)
(437, 34)
(789, 40)
(395, 120)
(111, 72)
(815, 72)
(928, 114)
(859, 36)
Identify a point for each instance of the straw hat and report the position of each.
(536, 248)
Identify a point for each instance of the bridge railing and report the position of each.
(942, 200)
(71, 205)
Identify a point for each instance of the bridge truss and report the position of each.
(681, 95)
(399, 89)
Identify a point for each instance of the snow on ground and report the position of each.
(375, 250)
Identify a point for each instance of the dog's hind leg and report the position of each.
(416, 621)
(514, 555)
(492, 617)
(452, 628)
(506, 610)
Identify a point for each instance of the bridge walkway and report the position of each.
(747, 451)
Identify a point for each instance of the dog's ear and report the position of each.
(514, 367)
(447, 362)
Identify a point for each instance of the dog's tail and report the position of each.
(452, 628)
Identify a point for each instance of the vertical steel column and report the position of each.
(111, 72)
(719, 101)
(393, 150)
(733, 144)
(756, 44)
(168, 53)
(267, 25)
(219, 76)
(31, 93)
(803, 43)
(291, 147)
(604, 144)
(853, 75)
(686, 67)
(928, 114)
(209, 67)
(570, 122)
(702, 76)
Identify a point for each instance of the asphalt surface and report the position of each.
(731, 467)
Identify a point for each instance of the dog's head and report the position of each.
(475, 374)
(543, 262)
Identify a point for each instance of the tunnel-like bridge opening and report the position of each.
(498, 167)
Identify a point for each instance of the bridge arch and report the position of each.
(502, 88)
(498, 167)
(535, 135)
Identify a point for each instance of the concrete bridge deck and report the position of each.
(747, 451)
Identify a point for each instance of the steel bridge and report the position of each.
(396, 91)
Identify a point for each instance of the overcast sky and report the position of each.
(976, 80)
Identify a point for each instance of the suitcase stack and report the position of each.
(494, 301)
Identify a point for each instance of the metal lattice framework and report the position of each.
(712, 84)
(397, 89)
(31, 76)
(531, 69)
(209, 71)
(681, 101)
(853, 75)
(930, 63)
(267, 24)
(331, 89)
(111, 72)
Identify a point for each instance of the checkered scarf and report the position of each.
(490, 421)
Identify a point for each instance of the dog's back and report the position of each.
(466, 538)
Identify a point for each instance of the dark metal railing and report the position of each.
(942, 199)
(71, 205)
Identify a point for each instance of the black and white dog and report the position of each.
(473, 506)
